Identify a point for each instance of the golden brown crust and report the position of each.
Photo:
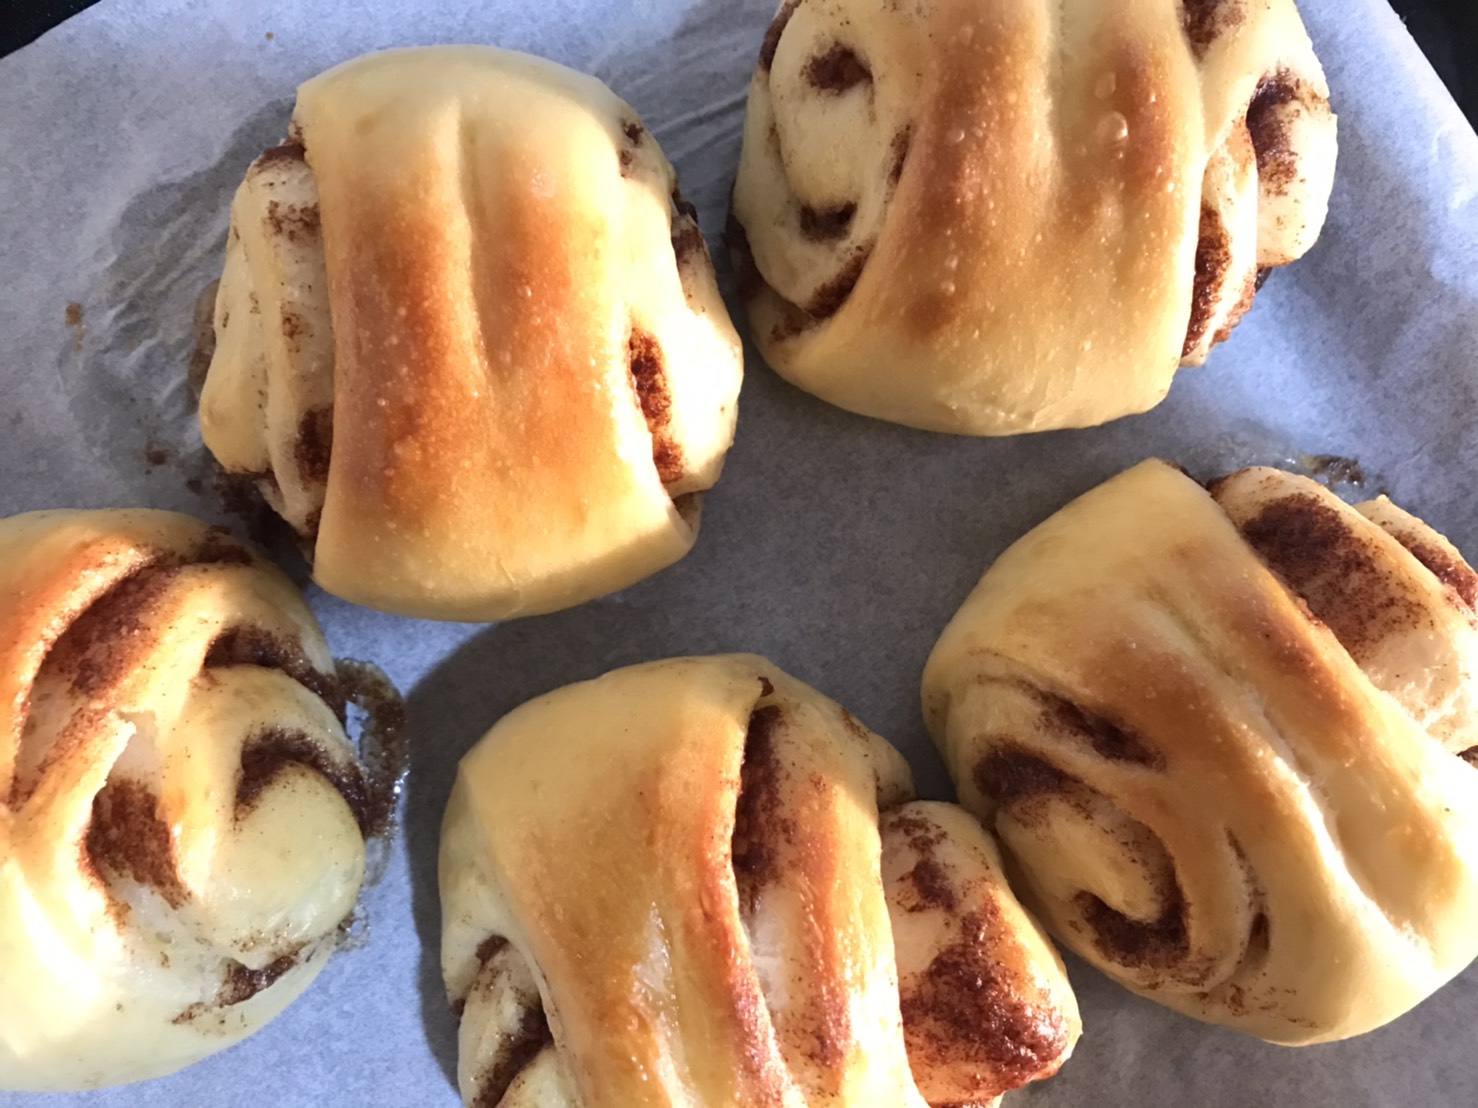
(532, 371)
(427, 444)
(1233, 817)
(1017, 216)
(717, 927)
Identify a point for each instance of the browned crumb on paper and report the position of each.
(75, 323)
(1332, 469)
(157, 454)
(383, 747)
(205, 338)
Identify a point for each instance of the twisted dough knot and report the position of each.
(468, 337)
(182, 818)
(1019, 215)
(1218, 734)
(700, 882)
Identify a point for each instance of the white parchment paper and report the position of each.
(836, 545)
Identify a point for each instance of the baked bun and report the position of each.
(469, 341)
(698, 881)
(1021, 215)
(182, 818)
(1222, 735)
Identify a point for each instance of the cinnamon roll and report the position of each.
(1226, 738)
(1016, 215)
(469, 341)
(182, 817)
(699, 881)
